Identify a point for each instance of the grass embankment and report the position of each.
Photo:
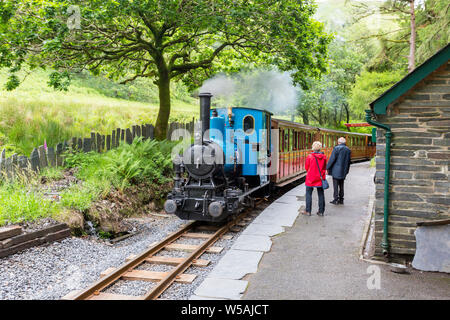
(35, 112)
(145, 165)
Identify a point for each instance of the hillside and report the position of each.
(35, 112)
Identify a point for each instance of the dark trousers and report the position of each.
(309, 191)
(338, 189)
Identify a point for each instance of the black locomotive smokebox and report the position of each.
(199, 160)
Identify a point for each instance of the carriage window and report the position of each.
(281, 143)
(286, 139)
(294, 141)
(291, 140)
(248, 124)
(302, 140)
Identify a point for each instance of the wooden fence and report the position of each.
(42, 157)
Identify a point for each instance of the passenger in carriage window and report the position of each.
(338, 167)
(315, 166)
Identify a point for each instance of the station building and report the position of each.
(416, 111)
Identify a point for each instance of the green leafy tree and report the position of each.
(368, 87)
(433, 28)
(326, 100)
(417, 30)
(160, 39)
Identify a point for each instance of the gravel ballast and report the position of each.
(51, 272)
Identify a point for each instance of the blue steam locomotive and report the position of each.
(227, 163)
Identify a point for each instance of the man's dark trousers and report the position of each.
(338, 190)
(338, 166)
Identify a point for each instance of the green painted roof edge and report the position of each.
(380, 105)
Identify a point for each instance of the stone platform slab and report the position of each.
(225, 281)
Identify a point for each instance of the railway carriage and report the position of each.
(295, 142)
(240, 151)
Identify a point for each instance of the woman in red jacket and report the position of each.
(314, 161)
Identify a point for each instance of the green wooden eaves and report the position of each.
(380, 105)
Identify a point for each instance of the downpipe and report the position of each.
(387, 167)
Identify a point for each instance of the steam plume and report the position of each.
(271, 90)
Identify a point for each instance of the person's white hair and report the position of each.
(316, 146)
(341, 140)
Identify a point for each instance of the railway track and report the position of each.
(129, 270)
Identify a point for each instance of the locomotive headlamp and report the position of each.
(215, 209)
(170, 206)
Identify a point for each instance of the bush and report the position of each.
(142, 161)
(145, 162)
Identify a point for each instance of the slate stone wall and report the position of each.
(419, 180)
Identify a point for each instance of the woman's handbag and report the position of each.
(324, 182)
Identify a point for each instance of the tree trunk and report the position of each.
(164, 106)
(305, 117)
(335, 116)
(347, 112)
(412, 41)
(320, 116)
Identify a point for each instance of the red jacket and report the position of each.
(312, 172)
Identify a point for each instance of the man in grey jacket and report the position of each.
(338, 167)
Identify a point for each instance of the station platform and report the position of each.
(283, 255)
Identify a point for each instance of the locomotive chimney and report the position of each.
(205, 106)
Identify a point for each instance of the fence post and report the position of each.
(129, 138)
(169, 127)
(99, 143)
(108, 142)
(9, 168)
(14, 164)
(42, 157)
(87, 145)
(103, 142)
(34, 159)
(51, 156)
(93, 146)
(143, 132)
(138, 131)
(113, 139)
(23, 163)
(151, 131)
(59, 151)
(74, 143)
(118, 131)
(2, 160)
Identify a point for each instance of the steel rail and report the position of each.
(162, 285)
(117, 274)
